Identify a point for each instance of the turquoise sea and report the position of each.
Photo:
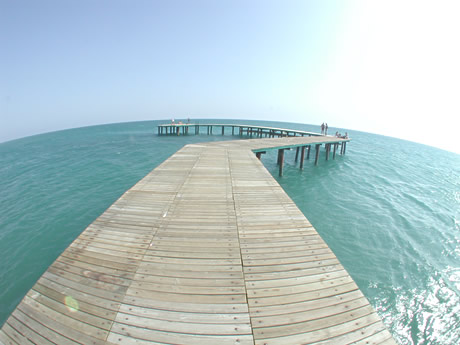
(389, 209)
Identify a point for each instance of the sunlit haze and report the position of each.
(386, 67)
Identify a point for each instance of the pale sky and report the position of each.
(386, 67)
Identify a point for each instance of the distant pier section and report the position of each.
(236, 129)
(281, 139)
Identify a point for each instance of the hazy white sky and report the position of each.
(387, 67)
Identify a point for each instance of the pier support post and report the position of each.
(328, 149)
(233, 130)
(259, 154)
(281, 161)
(344, 147)
(223, 129)
(335, 149)
(341, 148)
(317, 153)
(297, 153)
(308, 152)
(302, 156)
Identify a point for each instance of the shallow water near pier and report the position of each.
(389, 209)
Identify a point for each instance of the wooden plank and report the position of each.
(187, 289)
(306, 316)
(286, 291)
(317, 331)
(85, 304)
(193, 317)
(282, 274)
(80, 295)
(188, 298)
(13, 336)
(278, 282)
(179, 326)
(72, 312)
(124, 334)
(56, 328)
(81, 327)
(178, 272)
(28, 332)
(115, 293)
(303, 306)
(188, 306)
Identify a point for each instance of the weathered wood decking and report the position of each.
(206, 249)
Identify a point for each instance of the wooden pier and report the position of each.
(236, 129)
(206, 249)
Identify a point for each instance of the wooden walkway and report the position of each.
(236, 129)
(206, 249)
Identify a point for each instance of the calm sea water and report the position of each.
(389, 209)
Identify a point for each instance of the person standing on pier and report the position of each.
(326, 127)
(322, 128)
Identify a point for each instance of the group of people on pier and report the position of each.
(338, 135)
(324, 128)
